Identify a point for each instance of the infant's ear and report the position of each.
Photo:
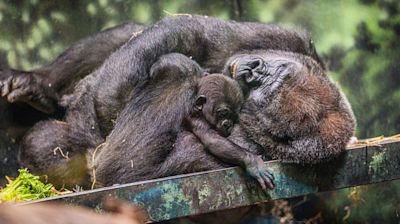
(200, 101)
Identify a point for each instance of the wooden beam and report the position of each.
(205, 192)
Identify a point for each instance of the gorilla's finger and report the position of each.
(272, 175)
(18, 95)
(269, 175)
(261, 181)
(268, 181)
(17, 82)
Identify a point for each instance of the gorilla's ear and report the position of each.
(200, 101)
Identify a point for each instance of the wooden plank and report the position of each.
(383, 160)
(204, 192)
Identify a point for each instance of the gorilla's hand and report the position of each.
(257, 169)
(18, 86)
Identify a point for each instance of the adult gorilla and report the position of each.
(293, 112)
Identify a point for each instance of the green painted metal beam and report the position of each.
(205, 192)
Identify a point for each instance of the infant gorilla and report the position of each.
(219, 100)
(216, 109)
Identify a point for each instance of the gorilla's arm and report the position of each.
(86, 55)
(231, 153)
(43, 87)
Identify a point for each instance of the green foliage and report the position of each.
(26, 187)
(370, 71)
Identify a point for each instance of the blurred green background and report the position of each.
(358, 40)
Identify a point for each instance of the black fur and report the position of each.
(115, 106)
(145, 131)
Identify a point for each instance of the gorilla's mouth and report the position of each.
(225, 132)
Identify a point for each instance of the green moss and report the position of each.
(26, 187)
(377, 160)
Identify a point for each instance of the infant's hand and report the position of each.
(256, 168)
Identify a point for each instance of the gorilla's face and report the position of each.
(285, 92)
(262, 74)
(221, 115)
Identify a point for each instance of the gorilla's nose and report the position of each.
(248, 69)
(255, 64)
(226, 129)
